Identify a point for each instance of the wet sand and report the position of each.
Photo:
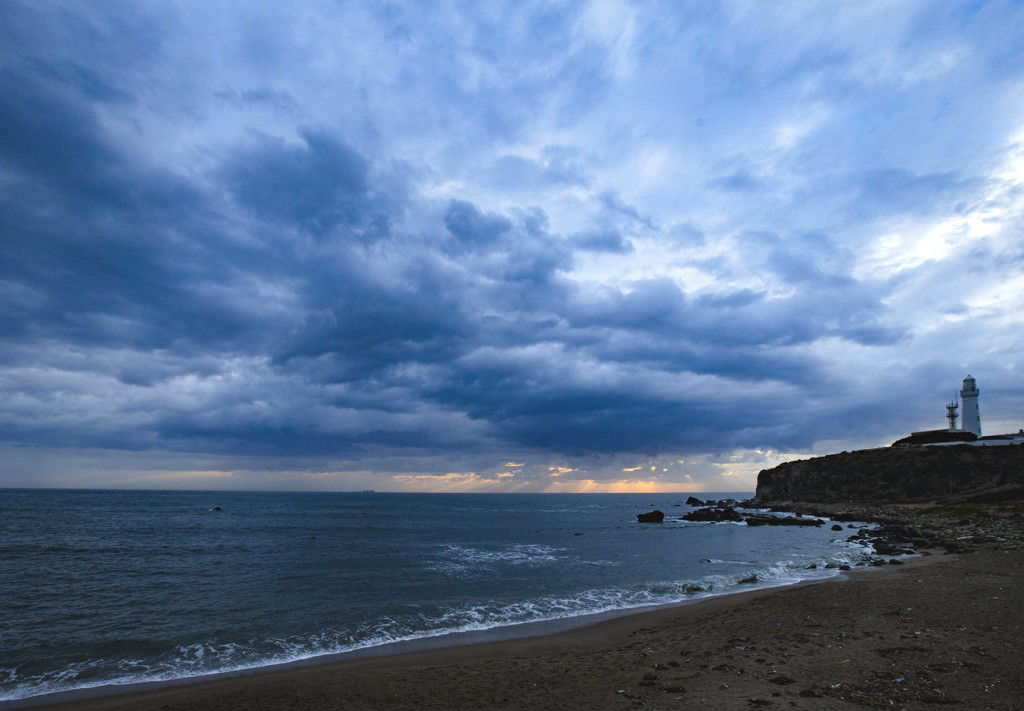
(944, 629)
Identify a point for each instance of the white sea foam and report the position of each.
(481, 580)
(208, 657)
(461, 561)
(469, 561)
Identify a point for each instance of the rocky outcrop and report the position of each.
(893, 474)
(722, 514)
(768, 520)
(651, 517)
(713, 515)
(957, 528)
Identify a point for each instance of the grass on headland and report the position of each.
(963, 510)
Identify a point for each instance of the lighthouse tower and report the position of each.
(969, 397)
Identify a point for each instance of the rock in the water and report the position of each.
(694, 501)
(651, 517)
(767, 520)
(883, 547)
(726, 513)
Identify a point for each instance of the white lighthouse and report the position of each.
(970, 416)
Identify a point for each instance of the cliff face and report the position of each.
(892, 474)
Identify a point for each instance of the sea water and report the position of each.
(120, 587)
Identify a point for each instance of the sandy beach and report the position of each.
(941, 629)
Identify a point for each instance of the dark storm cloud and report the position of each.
(402, 230)
(317, 185)
(90, 236)
(373, 327)
(490, 330)
(471, 228)
(574, 401)
(48, 136)
(650, 304)
(833, 306)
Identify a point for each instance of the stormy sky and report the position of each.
(523, 246)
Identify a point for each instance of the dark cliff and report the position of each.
(899, 474)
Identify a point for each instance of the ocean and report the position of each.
(121, 587)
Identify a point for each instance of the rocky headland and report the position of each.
(956, 498)
(950, 474)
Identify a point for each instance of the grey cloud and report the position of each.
(418, 328)
(686, 235)
(515, 172)
(894, 190)
(651, 304)
(582, 82)
(808, 258)
(847, 310)
(608, 240)
(519, 255)
(47, 135)
(832, 306)
(371, 328)
(614, 204)
(730, 300)
(544, 398)
(86, 80)
(295, 290)
(100, 256)
(83, 43)
(471, 227)
(811, 258)
(319, 184)
(280, 100)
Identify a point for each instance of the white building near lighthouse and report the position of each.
(969, 432)
(970, 415)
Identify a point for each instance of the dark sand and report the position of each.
(944, 629)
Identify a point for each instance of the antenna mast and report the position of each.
(951, 413)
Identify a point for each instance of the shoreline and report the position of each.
(499, 636)
(938, 629)
(264, 687)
